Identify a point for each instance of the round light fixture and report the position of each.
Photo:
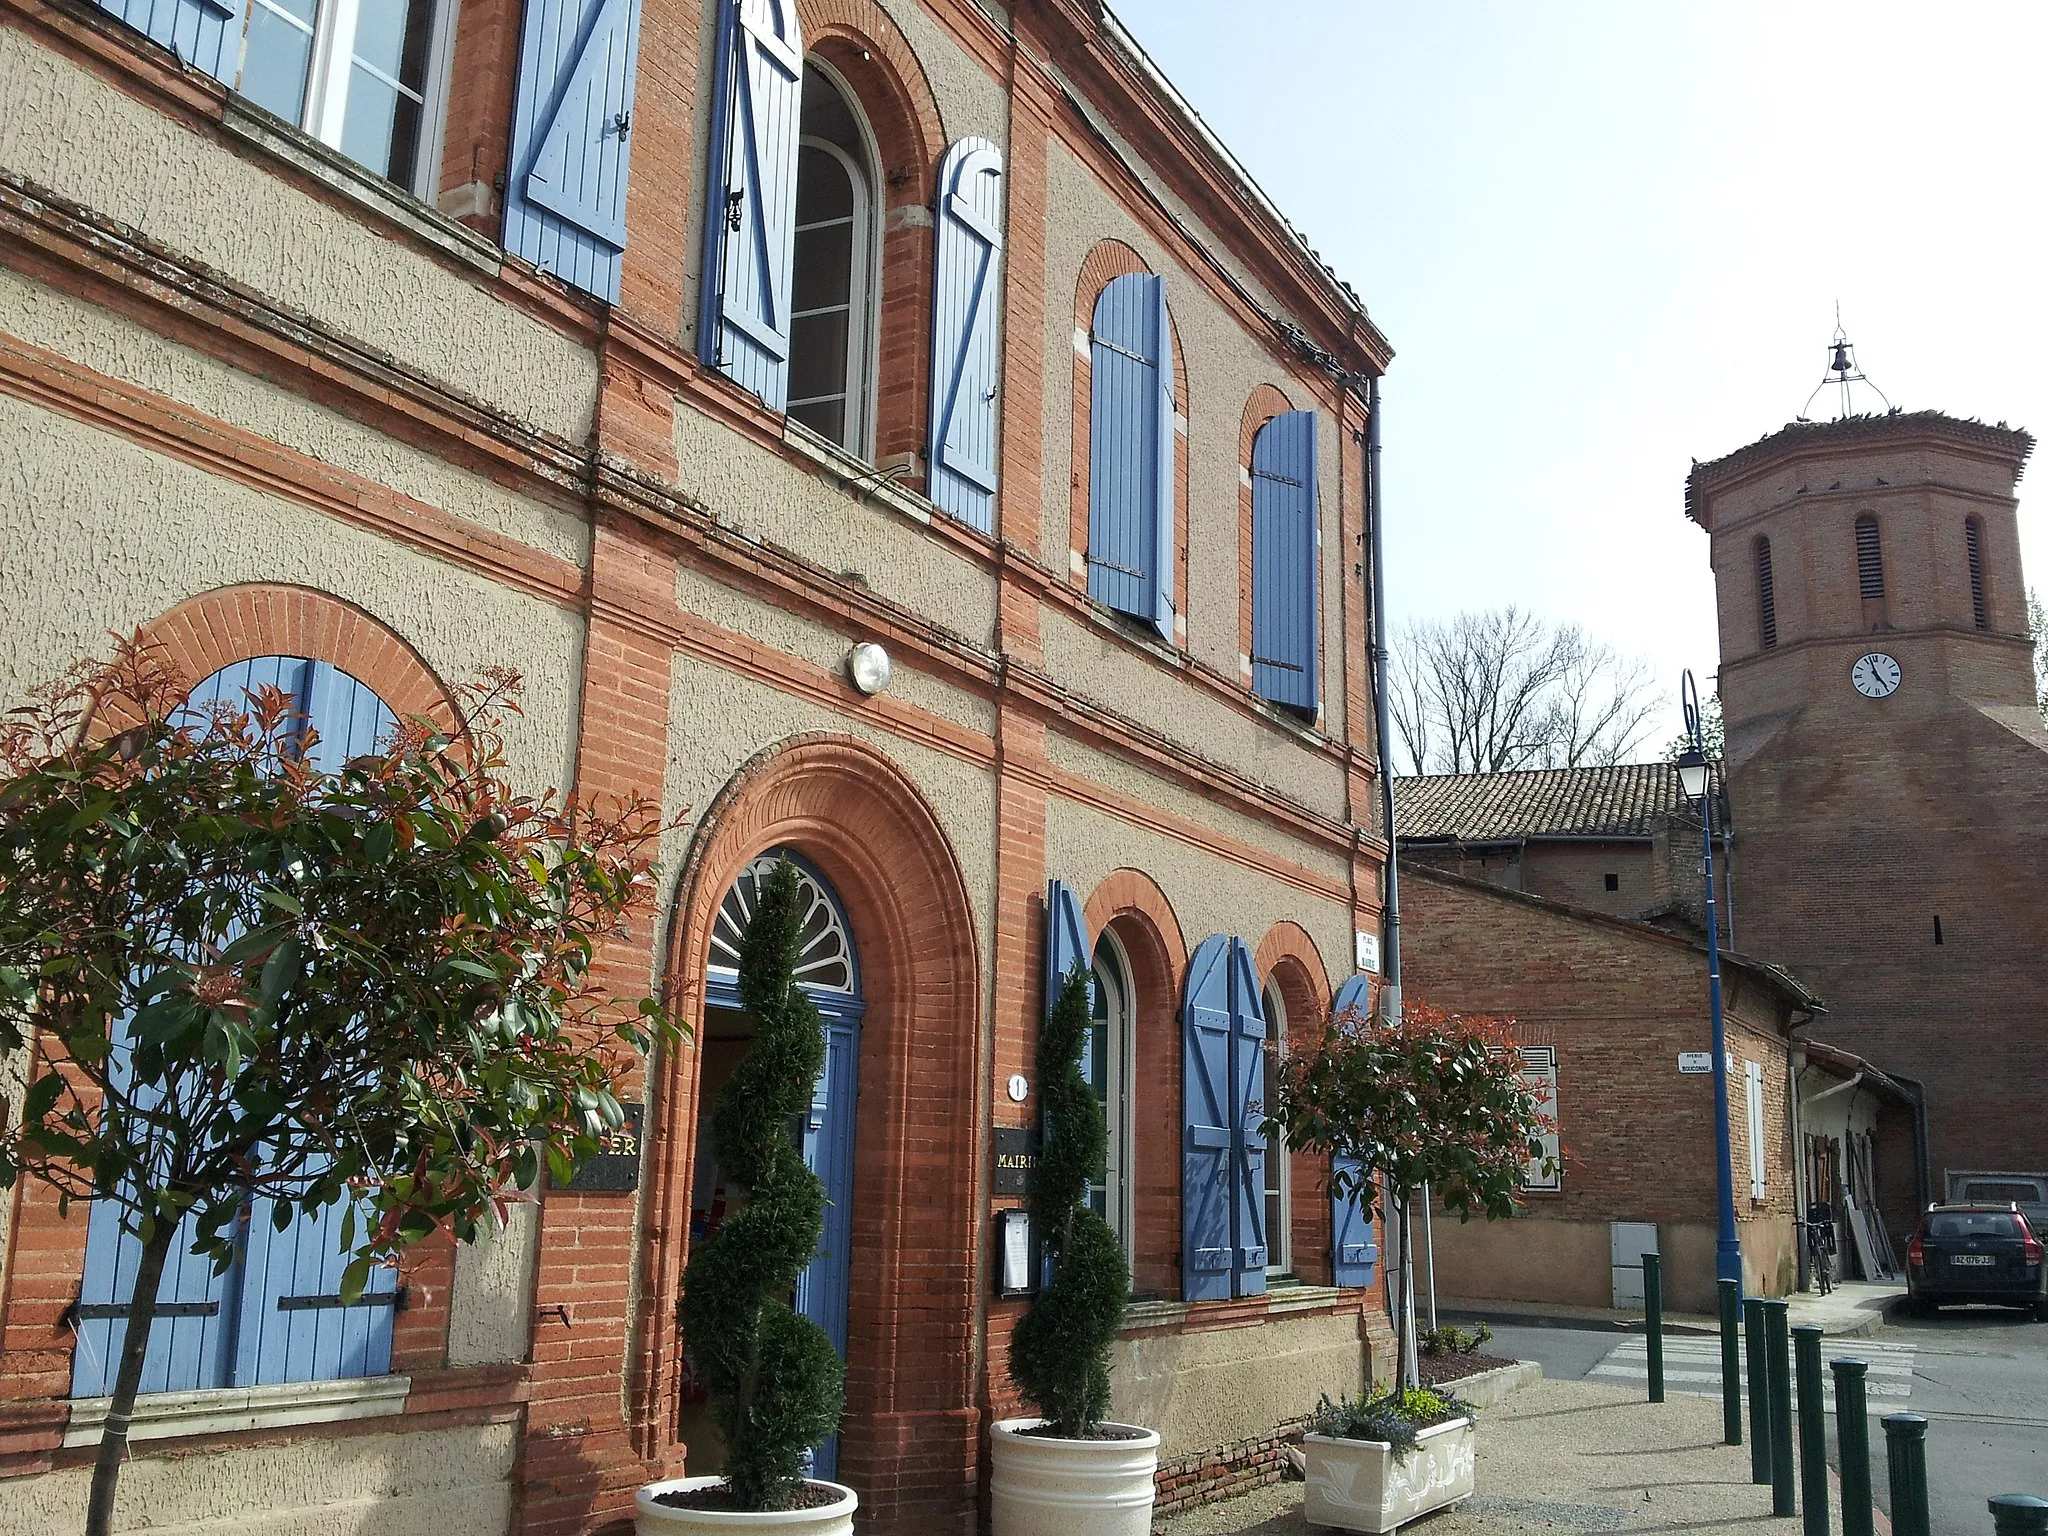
(867, 666)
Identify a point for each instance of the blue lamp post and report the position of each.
(1695, 779)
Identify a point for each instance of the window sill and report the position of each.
(868, 482)
(242, 119)
(1280, 1300)
(224, 1410)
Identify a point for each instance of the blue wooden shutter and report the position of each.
(1248, 1108)
(1208, 1121)
(1130, 451)
(1353, 1254)
(565, 182)
(1066, 940)
(204, 34)
(292, 1326)
(962, 451)
(1284, 548)
(750, 225)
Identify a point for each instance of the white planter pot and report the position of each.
(1356, 1485)
(666, 1520)
(1039, 1486)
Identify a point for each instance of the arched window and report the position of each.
(832, 290)
(1131, 554)
(1107, 1065)
(276, 1315)
(1973, 542)
(1869, 558)
(1766, 595)
(1279, 1254)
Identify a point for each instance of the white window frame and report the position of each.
(1279, 1166)
(863, 329)
(327, 80)
(1118, 1201)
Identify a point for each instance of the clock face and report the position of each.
(1876, 676)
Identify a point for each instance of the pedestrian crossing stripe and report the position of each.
(1692, 1366)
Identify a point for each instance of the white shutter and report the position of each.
(1753, 1075)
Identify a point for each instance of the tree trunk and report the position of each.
(106, 1468)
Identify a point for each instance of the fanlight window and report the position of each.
(824, 950)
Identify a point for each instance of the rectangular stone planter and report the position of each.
(1356, 1485)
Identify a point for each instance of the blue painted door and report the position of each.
(1354, 1256)
(1207, 1125)
(823, 1290)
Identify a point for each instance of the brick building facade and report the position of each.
(1617, 1001)
(664, 350)
(1892, 814)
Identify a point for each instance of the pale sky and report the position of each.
(1606, 239)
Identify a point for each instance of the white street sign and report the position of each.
(1690, 1062)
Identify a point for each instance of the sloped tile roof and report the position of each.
(1620, 801)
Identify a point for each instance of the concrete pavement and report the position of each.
(1564, 1456)
(1853, 1309)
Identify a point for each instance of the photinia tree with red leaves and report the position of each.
(1431, 1098)
(226, 975)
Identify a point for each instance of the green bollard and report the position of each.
(1905, 1454)
(1759, 1390)
(1731, 1361)
(2019, 1514)
(1852, 1434)
(1653, 1321)
(1777, 1344)
(1813, 1431)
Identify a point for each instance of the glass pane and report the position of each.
(381, 127)
(823, 190)
(823, 272)
(827, 418)
(279, 53)
(392, 37)
(817, 356)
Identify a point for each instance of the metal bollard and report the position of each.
(2019, 1514)
(1813, 1431)
(1777, 1345)
(1905, 1454)
(1759, 1389)
(1653, 1321)
(1731, 1361)
(1852, 1434)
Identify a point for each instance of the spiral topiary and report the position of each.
(776, 1384)
(1059, 1353)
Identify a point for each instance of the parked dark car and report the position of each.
(1963, 1253)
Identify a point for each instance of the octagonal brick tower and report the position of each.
(1891, 814)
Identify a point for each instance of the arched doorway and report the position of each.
(828, 969)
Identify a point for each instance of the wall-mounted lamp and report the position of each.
(867, 667)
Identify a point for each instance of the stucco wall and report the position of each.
(1570, 1263)
(1212, 1388)
(490, 1308)
(759, 493)
(78, 136)
(1082, 845)
(111, 344)
(411, 1483)
(106, 536)
(1101, 665)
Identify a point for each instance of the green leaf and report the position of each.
(42, 1096)
(283, 902)
(354, 1278)
(284, 966)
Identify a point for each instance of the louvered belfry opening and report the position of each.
(1766, 594)
(1869, 558)
(1973, 541)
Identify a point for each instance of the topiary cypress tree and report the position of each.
(777, 1386)
(1059, 1354)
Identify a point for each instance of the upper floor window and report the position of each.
(1766, 595)
(356, 74)
(1285, 546)
(832, 310)
(1131, 547)
(1869, 558)
(1973, 543)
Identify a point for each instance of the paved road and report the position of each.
(1979, 1375)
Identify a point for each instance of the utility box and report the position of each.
(1627, 1242)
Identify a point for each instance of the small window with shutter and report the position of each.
(1973, 542)
(1869, 558)
(1766, 595)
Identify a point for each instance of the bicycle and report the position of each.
(1820, 1253)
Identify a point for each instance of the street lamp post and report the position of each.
(1695, 779)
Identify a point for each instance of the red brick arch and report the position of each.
(1130, 905)
(230, 624)
(910, 1444)
(1110, 260)
(868, 51)
(1265, 403)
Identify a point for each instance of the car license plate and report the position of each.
(1973, 1258)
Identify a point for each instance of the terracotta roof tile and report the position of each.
(1620, 801)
